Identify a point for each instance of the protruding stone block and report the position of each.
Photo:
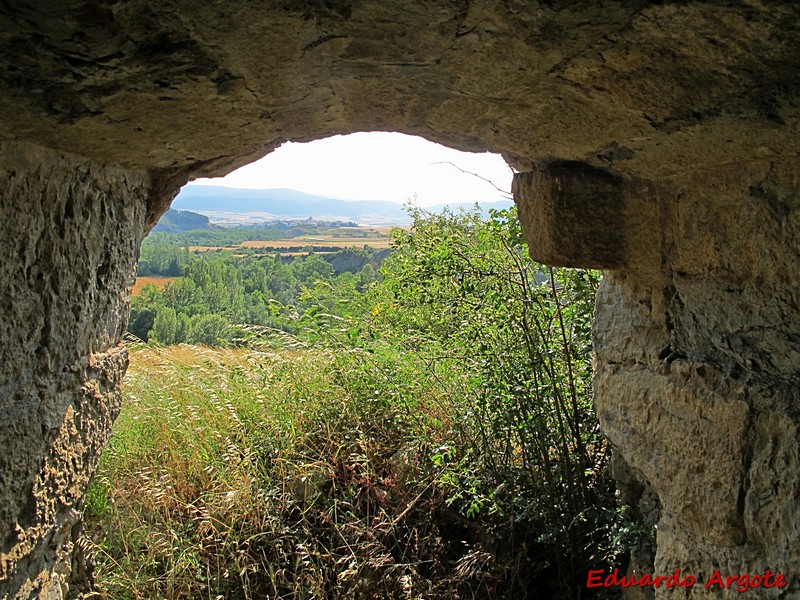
(578, 215)
(573, 214)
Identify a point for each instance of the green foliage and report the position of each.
(143, 312)
(210, 330)
(167, 329)
(219, 290)
(424, 430)
(161, 256)
(366, 277)
(530, 457)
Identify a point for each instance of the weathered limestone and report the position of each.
(578, 214)
(698, 355)
(198, 86)
(658, 141)
(70, 234)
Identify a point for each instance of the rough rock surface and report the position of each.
(656, 140)
(698, 358)
(70, 234)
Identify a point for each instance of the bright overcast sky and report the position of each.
(376, 166)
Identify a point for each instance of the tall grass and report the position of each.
(240, 474)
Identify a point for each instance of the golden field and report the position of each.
(159, 282)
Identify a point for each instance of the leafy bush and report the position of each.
(528, 460)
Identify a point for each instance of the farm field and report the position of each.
(157, 281)
(328, 241)
(340, 238)
(162, 251)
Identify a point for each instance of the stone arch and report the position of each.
(658, 141)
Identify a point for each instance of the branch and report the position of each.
(489, 181)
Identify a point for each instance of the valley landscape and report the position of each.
(327, 410)
(418, 422)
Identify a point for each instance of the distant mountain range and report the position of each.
(233, 206)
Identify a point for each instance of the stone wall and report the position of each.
(70, 235)
(662, 138)
(697, 380)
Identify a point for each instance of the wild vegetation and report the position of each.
(419, 431)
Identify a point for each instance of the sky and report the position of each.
(376, 166)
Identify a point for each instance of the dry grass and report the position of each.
(212, 248)
(242, 474)
(306, 473)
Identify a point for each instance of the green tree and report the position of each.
(161, 256)
(367, 276)
(143, 311)
(312, 268)
(165, 327)
(210, 330)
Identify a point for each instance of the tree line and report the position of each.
(217, 293)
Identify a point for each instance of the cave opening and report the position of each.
(377, 165)
(410, 363)
(681, 118)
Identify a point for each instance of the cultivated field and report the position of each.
(339, 238)
(327, 241)
(159, 282)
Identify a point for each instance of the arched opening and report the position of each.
(411, 421)
(382, 166)
(655, 140)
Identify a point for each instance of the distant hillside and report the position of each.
(232, 206)
(181, 220)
